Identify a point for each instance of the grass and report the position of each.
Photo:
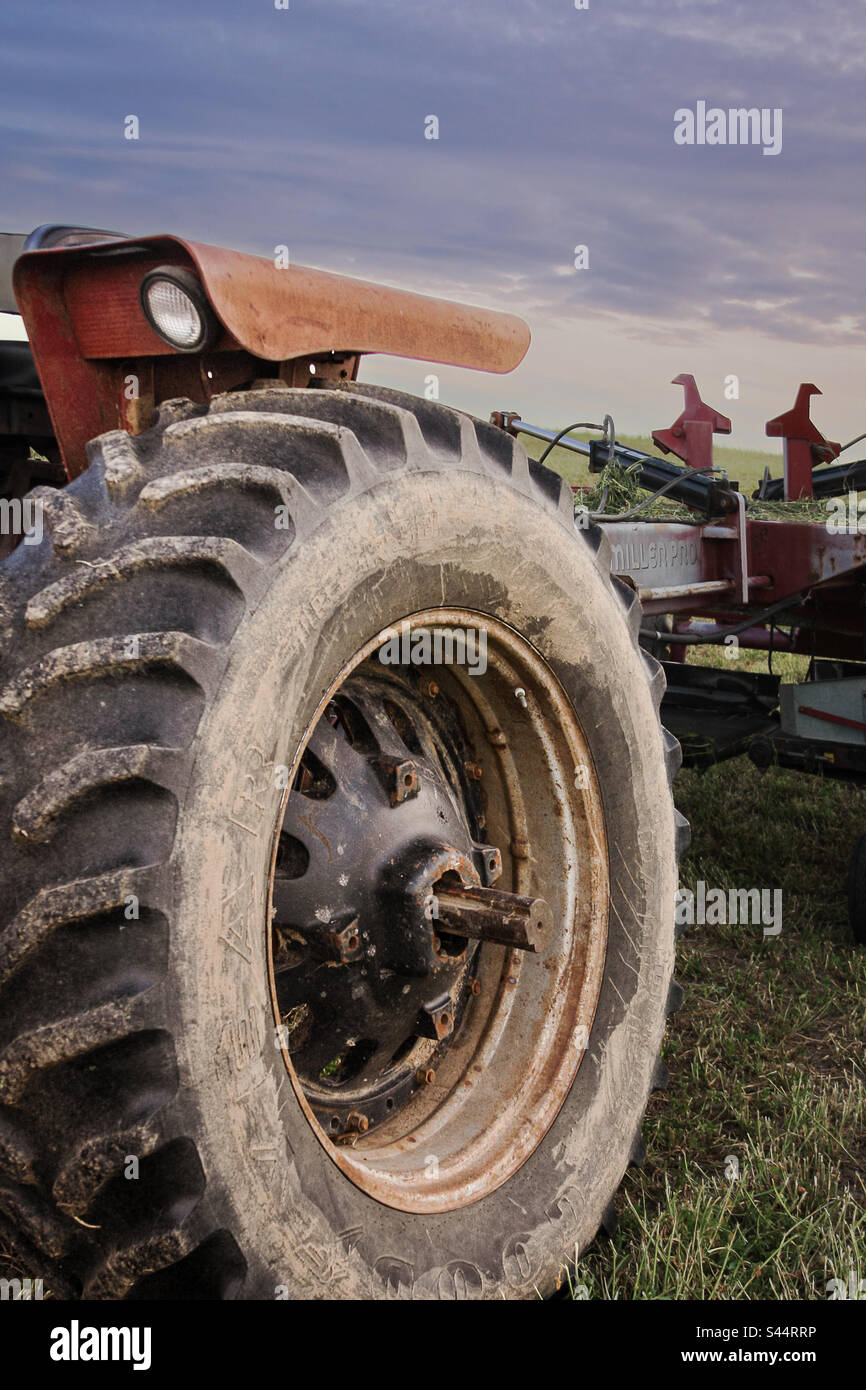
(743, 466)
(766, 1058)
(766, 1054)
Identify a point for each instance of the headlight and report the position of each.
(176, 308)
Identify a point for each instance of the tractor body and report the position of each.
(102, 364)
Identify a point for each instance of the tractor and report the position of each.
(338, 854)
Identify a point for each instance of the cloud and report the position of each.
(306, 127)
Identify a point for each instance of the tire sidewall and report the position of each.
(419, 540)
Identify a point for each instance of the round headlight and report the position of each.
(175, 306)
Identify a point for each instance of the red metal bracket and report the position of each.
(690, 437)
(804, 444)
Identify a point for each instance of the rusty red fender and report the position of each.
(103, 367)
(279, 314)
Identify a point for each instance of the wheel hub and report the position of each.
(371, 986)
(427, 1052)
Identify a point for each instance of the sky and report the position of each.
(305, 127)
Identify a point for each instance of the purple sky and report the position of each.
(305, 127)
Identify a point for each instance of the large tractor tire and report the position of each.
(240, 1055)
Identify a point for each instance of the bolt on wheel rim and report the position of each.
(439, 896)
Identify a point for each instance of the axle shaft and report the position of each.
(489, 914)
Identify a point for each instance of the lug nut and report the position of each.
(428, 687)
(342, 944)
(425, 1076)
(474, 770)
(436, 1021)
(399, 778)
(474, 986)
(357, 1123)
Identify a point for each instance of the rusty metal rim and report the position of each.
(479, 1130)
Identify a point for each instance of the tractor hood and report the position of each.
(279, 314)
(82, 307)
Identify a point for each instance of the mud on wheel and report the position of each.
(364, 961)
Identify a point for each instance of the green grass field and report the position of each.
(766, 1058)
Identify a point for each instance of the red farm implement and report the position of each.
(735, 578)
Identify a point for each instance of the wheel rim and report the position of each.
(430, 1063)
